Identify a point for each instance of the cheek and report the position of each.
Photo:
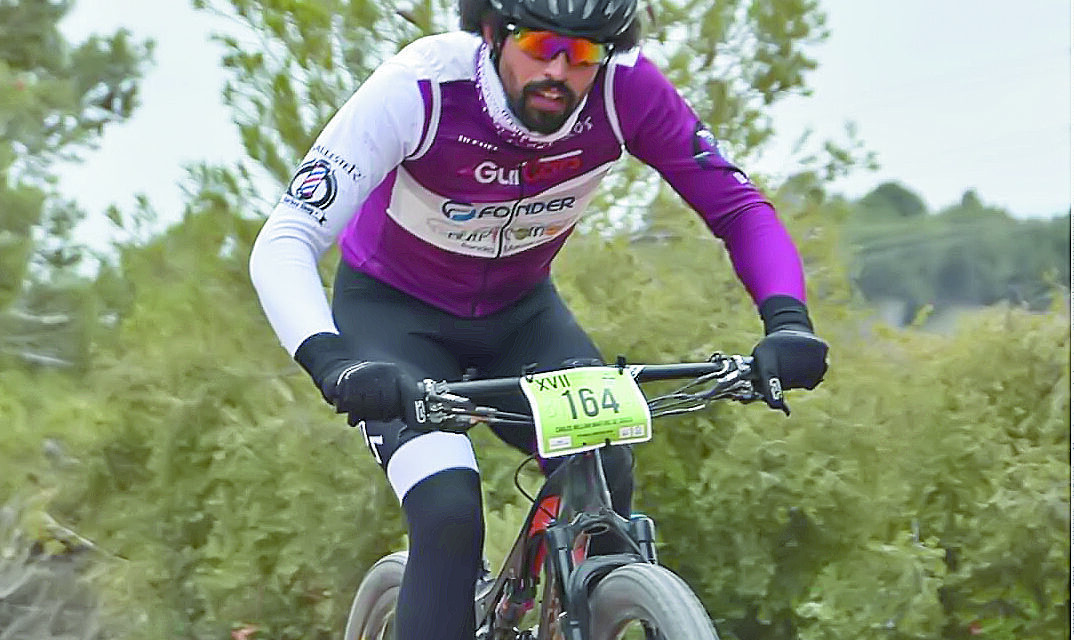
(581, 80)
(512, 72)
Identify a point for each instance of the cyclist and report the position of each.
(451, 178)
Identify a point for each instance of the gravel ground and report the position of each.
(44, 596)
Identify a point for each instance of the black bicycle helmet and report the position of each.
(606, 21)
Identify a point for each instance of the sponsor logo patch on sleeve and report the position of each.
(313, 188)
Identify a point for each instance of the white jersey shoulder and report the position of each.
(378, 127)
(627, 58)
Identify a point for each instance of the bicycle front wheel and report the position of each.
(372, 615)
(646, 601)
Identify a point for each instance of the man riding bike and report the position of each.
(450, 179)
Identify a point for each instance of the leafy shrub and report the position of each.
(920, 492)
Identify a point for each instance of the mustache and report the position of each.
(544, 85)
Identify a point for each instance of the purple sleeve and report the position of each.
(660, 129)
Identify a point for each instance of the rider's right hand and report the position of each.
(364, 390)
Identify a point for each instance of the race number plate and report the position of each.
(585, 408)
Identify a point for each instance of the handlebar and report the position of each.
(451, 406)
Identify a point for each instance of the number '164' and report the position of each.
(587, 399)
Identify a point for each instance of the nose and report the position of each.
(556, 68)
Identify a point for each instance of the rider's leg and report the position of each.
(436, 599)
(433, 474)
(436, 480)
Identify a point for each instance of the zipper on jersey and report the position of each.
(500, 239)
(514, 211)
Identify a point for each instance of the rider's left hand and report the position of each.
(790, 356)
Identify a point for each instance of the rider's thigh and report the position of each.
(379, 322)
(545, 337)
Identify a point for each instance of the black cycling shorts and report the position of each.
(380, 322)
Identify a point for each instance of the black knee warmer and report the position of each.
(436, 599)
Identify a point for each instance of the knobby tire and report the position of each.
(651, 594)
(633, 593)
(374, 604)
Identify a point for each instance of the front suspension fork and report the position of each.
(559, 540)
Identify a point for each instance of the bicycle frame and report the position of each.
(573, 504)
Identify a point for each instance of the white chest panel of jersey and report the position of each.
(491, 229)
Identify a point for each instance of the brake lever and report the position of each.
(735, 380)
(431, 405)
(451, 412)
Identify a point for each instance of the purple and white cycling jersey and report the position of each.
(432, 186)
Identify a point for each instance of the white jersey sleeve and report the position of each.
(372, 133)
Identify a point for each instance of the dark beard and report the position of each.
(537, 120)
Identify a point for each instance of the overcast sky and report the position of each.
(950, 95)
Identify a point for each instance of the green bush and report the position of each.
(920, 492)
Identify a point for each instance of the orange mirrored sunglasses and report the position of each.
(546, 45)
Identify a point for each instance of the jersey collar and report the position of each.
(494, 103)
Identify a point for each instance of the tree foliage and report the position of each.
(221, 492)
(892, 200)
(56, 98)
(968, 254)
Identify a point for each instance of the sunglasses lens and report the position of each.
(585, 51)
(546, 45)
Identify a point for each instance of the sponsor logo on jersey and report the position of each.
(540, 170)
(346, 166)
(583, 125)
(485, 234)
(489, 235)
(534, 231)
(487, 146)
(314, 184)
(463, 211)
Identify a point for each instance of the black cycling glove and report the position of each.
(364, 390)
(790, 356)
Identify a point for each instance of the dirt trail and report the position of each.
(42, 596)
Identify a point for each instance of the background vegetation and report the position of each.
(170, 473)
(967, 255)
